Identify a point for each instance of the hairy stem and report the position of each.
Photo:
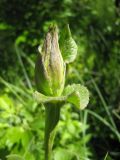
(52, 118)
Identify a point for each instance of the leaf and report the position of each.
(68, 46)
(14, 157)
(78, 95)
(5, 103)
(63, 154)
(107, 157)
(26, 138)
(41, 98)
(75, 94)
(14, 135)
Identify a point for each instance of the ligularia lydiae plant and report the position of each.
(56, 52)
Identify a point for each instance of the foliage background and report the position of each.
(82, 135)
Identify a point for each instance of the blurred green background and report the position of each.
(82, 135)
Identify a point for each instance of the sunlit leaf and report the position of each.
(63, 154)
(14, 157)
(68, 46)
(78, 95)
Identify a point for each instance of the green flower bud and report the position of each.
(50, 67)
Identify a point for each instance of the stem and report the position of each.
(52, 118)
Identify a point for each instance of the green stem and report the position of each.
(52, 118)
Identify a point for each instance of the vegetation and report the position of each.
(91, 134)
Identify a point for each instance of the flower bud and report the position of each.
(50, 67)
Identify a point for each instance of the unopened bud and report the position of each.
(50, 67)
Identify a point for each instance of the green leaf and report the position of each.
(41, 98)
(68, 46)
(78, 95)
(14, 135)
(107, 157)
(14, 157)
(75, 94)
(63, 154)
